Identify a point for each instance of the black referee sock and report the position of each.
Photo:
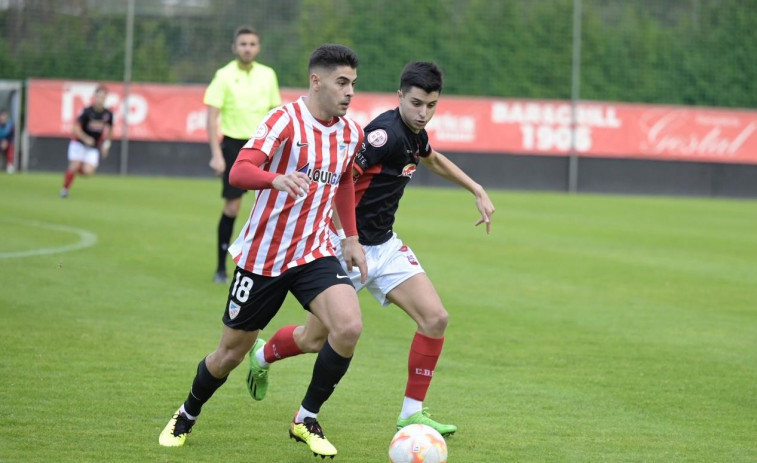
(328, 370)
(203, 387)
(225, 229)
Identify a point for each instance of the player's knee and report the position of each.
(349, 331)
(435, 323)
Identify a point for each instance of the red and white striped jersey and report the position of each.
(282, 232)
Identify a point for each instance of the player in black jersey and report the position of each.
(92, 134)
(395, 142)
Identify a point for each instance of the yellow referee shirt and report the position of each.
(243, 97)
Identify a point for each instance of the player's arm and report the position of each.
(217, 162)
(344, 218)
(81, 135)
(439, 164)
(105, 138)
(247, 174)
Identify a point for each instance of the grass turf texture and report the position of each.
(584, 328)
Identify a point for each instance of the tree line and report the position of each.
(697, 52)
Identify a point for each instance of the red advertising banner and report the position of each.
(465, 125)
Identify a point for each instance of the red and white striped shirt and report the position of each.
(283, 232)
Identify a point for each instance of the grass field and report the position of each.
(583, 329)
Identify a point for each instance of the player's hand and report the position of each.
(294, 184)
(105, 149)
(486, 208)
(354, 256)
(90, 141)
(217, 163)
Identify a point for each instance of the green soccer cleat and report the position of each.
(176, 431)
(423, 417)
(257, 377)
(310, 433)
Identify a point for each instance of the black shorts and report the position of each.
(230, 148)
(255, 299)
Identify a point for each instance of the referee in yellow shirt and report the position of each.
(242, 93)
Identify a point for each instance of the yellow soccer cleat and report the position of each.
(310, 433)
(176, 431)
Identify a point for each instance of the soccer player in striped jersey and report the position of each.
(300, 162)
(396, 141)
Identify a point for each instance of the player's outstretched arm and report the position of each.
(443, 167)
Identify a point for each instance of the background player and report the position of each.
(92, 137)
(7, 133)
(300, 159)
(242, 92)
(395, 142)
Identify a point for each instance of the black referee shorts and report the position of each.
(230, 148)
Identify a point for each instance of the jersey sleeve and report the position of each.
(425, 148)
(272, 131)
(215, 92)
(83, 118)
(379, 143)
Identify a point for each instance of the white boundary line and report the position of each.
(86, 239)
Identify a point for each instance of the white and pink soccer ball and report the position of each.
(418, 443)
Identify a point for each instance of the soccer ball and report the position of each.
(418, 443)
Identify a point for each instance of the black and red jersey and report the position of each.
(385, 162)
(93, 122)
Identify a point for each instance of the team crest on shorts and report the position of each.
(233, 309)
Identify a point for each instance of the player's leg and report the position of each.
(75, 159)
(252, 302)
(336, 306)
(288, 341)
(232, 197)
(212, 372)
(8, 148)
(419, 299)
(231, 206)
(292, 340)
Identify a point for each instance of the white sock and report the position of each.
(191, 417)
(260, 356)
(410, 407)
(304, 413)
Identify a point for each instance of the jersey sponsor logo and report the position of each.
(321, 176)
(301, 145)
(377, 138)
(233, 309)
(408, 171)
(341, 276)
(262, 131)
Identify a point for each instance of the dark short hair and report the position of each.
(101, 88)
(241, 30)
(332, 55)
(422, 74)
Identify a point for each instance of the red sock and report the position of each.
(281, 345)
(69, 179)
(424, 353)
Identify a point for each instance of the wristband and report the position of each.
(341, 235)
